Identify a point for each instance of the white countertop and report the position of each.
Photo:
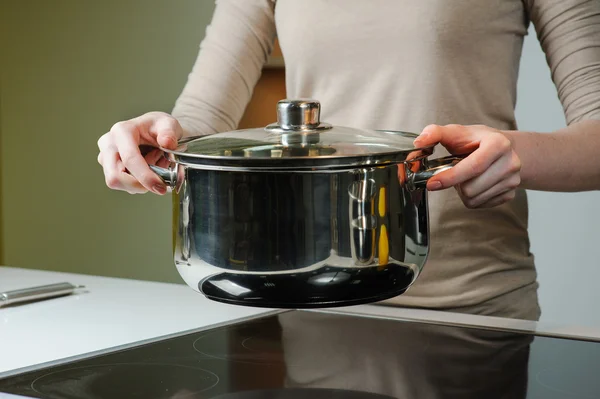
(115, 312)
(110, 312)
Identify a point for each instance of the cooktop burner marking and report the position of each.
(203, 379)
(249, 347)
(247, 341)
(254, 356)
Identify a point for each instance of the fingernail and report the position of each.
(434, 185)
(159, 189)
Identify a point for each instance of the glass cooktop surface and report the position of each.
(304, 354)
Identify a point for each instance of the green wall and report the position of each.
(69, 70)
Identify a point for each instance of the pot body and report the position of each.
(303, 239)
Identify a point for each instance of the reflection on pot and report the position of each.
(300, 239)
(363, 221)
(403, 360)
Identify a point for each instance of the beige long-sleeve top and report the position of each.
(402, 65)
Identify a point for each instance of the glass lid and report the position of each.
(298, 140)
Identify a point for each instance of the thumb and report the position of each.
(431, 135)
(457, 139)
(168, 132)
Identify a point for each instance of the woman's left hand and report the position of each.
(488, 176)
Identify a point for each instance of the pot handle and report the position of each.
(167, 175)
(419, 179)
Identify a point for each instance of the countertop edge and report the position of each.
(538, 328)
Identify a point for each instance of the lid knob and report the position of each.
(299, 114)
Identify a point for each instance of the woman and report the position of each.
(445, 69)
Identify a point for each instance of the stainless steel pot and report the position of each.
(300, 214)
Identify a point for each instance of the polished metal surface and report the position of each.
(37, 293)
(298, 114)
(298, 141)
(253, 238)
(298, 122)
(419, 179)
(275, 159)
(168, 175)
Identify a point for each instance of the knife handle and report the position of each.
(37, 293)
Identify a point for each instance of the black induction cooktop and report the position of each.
(306, 354)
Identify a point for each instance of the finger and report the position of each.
(168, 132)
(154, 156)
(157, 157)
(473, 165)
(507, 166)
(135, 163)
(430, 135)
(129, 183)
(510, 183)
(107, 158)
(458, 139)
(503, 187)
(115, 176)
(159, 129)
(163, 162)
(103, 141)
(499, 199)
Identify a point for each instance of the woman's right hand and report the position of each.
(125, 168)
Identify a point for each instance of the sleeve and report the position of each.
(229, 63)
(569, 33)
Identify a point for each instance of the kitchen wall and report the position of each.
(70, 69)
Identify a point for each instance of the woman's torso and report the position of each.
(403, 65)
